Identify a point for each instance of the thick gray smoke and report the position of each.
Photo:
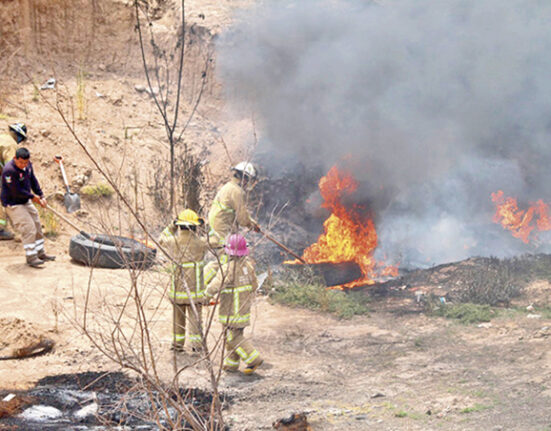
(434, 105)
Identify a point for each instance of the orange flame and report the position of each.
(520, 222)
(348, 235)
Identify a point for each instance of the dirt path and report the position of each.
(386, 371)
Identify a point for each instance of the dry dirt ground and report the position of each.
(391, 370)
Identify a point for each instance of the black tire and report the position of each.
(106, 251)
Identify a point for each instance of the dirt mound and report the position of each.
(19, 338)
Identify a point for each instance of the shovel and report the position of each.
(70, 223)
(71, 200)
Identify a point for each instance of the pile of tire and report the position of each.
(107, 251)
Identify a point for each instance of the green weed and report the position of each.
(315, 296)
(476, 408)
(466, 313)
(100, 190)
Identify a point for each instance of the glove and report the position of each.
(209, 300)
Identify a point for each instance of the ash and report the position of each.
(98, 401)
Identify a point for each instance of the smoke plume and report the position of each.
(432, 105)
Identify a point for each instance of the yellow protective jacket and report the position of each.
(8, 147)
(236, 282)
(188, 249)
(228, 212)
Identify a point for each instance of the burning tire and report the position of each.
(105, 251)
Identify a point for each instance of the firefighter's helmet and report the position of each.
(188, 218)
(246, 169)
(20, 130)
(236, 245)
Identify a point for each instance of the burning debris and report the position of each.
(91, 400)
(349, 236)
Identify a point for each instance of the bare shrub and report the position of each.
(492, 282)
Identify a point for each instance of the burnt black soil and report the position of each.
(118, 401)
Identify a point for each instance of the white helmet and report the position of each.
(245, 168)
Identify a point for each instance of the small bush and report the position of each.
(493, 284)
(100, 190)
(311, 294)
(466, 313)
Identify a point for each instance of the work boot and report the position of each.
(45, 257)
(178, 348)
(252, 368)
(34, 261)
(5, 235)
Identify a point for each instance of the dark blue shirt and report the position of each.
(17, 184)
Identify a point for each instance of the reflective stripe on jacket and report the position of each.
(189, 250)
(236, 282)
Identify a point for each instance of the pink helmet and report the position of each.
(236, 245)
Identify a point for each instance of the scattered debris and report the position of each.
(12, 404)
(40, 413)
(49, 84)
(20, 339)
(485, 325)
(295, 422)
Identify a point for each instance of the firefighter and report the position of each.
(17, 133)
(234, 285)
(229, 211)
(18, 185)
(188, 250)
(229, 208)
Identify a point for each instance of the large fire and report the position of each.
(349, 236)
(521, 222)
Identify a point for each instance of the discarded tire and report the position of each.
(105, 251)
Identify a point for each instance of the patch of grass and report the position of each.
(315, 296)
(50, 222)
(3, 116)
(476, 408)
(401, 414)
(466, 313)
(100, 190)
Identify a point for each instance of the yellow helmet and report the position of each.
(188, 218)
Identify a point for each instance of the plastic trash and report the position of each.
(49, 84)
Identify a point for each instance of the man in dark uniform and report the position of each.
(18, 185)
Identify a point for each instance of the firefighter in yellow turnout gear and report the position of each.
(17, 133)
(228, 212)
(188, 249)
(236, 283)
(229, 208)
